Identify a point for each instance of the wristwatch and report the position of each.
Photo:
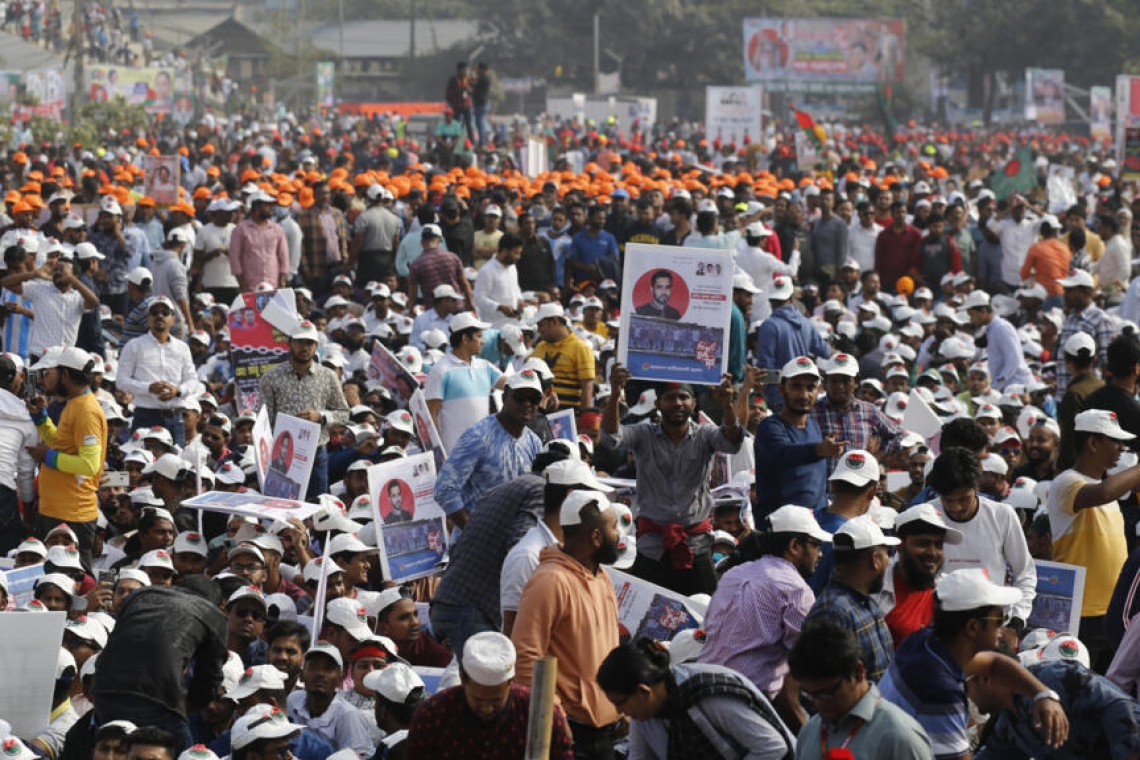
(1047, 694)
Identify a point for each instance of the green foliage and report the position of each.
(93, 122)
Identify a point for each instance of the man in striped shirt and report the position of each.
(568, 356)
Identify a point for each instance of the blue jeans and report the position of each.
(171, 419)
(481, 124)
(319, 480)
(455, 624)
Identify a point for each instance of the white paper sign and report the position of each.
(291, 457)
(647, 610)
(411, 529)
(27, 669)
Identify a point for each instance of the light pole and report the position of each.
(597, 51)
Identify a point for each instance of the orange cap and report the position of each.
(146, 200)
(202, 192)
(20, 207)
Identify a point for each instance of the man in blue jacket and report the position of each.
(784, 336)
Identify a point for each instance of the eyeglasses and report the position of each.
(1014, 450)
(251, 567)
(826, 693)
(249, 612)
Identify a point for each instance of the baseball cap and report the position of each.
(350, 615)
(394, 683)
(139, 275)
(466, 321)
(489, 658)
(927, 514)
(253, 593)
(742, 281)
(801, 365)
(348, 542)
(430, 232)
(970, 589)
(400, 420)
(781, 289)
(255, 679)
(88, 630)
(861, 533)
(1066, 646)
(64, 557)
(793, 519)
(169, 466)
(445, 291)
(526, 380)
(190, 542)
(305, 330)
(1078, 342)
(977, 299)
(574, 472)
(263, 722)
(59, 580)
(1103, 422)
(326, 649)
(842, 364)
(1078, 278)
(857, 467)
(551, 310)
(493, 210)
(576, 501)
(646, 403)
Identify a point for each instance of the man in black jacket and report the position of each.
(164, 657)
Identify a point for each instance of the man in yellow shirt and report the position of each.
(71, 455)
(1085, 519)
(568, 356)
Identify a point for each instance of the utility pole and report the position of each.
(597, 52)
(78, 13)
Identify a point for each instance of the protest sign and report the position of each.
(256, 345)
(411, 528)
(733, 115)
(21, 583)
(1060, 593)
(1045, 96)
(675, 311)
(321, 599)
(1100, 113)
(151, 88)
(392, 372)
(252, 505)
(262, 441)
(27, 669)
(291, 457)
(647, 610)
(425, 428)
(920, 418)
(161, 175)
(563, 425)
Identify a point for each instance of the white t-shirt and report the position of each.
(465, 390)
(216, 273)
(520, 564)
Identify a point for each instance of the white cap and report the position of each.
(1078, 278)
(88, 630)
(646, 403)
(446, 291)
(305, 330)
(11, 748)
(857, 467)
(348, 542)
(190, 542)
(987, 411)
(169, 466)
(466, 321)
(492, 210)
(977, 299)
(65, 557)
(350, 615)
(489, 658)
(59, 580)
(1022, 494)
(262, 722)
(792, 519)
(247, 592)
(781, 288)
(431, 231)
(574, 472)
(1080, 341)
(970, 589)
(394, 682)
(527, 379)
(576, 501)
(85, 251)
(71, 357)
(197, 752)
(550, 310)
(993, 463)
(178, 235)
(1051, 221)
(741, 281)
(401, 420)
(1103, 422)
(801, 365)
(861, 533)
(687, 646)
(1066, 646)
(255, 679)
(842, 364)
(139, 275)
(929, 515)
(32, 546)
(246, 547)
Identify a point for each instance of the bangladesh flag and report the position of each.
(807, 124)
(1018, 176)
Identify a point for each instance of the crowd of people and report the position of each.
(929, 390)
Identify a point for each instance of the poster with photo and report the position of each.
(411, 528)
(1045, 96)
(645, 609)
(161, 178)
(426, 431)
(563, 425)
(676, 305)
(257, 344)
(262, 444)
(392, 372)
(1060, 594)
(251, 504)
(291, 456)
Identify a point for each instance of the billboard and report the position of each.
(46, 87)
(1045, 96)
(326, 76)
(150, 88)
(1127, 122)
(1100, 113)
(823, 55)
(733, 114)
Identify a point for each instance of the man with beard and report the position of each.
(1042, 446)
(569, 611)
(322, 710)
(661, 285)
(355, 333)
(674, 458)
(245, 616)
(1087, 525)
(861, 559)
(852, 420)
(992, 538)
(759, 607)
(486, 715)
(57, 298)
(907, 597)
(398, 618)
(288, 641)
(791, 452)
(258, 251)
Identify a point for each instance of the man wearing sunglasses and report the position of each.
(245, 615)
(158, 369)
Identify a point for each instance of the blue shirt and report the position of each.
(484, 457)
(586, 249)
(926, 682)
(16, 326)
(830, 522)
(861, 615)
(788, 466)
(737, 333)
(784, 336)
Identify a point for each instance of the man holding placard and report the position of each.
(674, 458)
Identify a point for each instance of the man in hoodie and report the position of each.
(568, 610)
(784, 336)
(16, 483)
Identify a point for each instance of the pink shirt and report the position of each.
(259, 253)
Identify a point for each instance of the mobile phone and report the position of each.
(116, 480)
(108, 576)
(31, 387)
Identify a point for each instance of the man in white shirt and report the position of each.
(58, 300)
(1003, 347)
(496, 292)
(212, 251)
(158, 370)
(1017, 231)
(322, 710)
(992, 538)
(445, 303)
(861, 237)
(458, 389)
(761, 266)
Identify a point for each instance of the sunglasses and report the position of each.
(161, 312)
(250, 612)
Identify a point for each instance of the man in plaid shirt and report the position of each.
(853, 421)
(1082, 315)
(324, 241)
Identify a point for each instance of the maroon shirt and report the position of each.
(444, 728)
(426, 652)
(896, 254)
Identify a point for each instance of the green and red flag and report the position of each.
(1018, 176)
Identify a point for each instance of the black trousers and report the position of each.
(699, 579)
(591, 742)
